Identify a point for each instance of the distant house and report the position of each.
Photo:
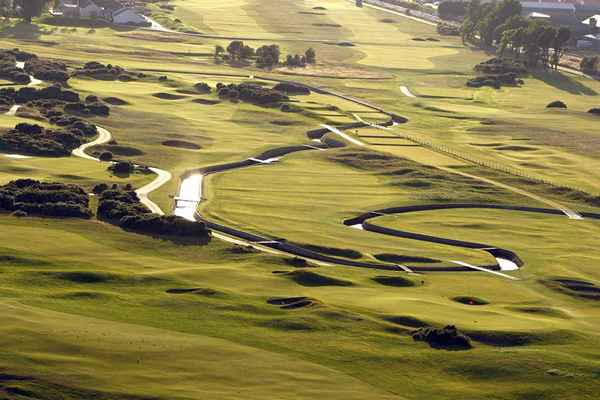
(116, 11)
(554, 10)
(80, 9)
(127, 16)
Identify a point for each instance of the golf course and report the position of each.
(181, 221)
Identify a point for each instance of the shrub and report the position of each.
(36, 140)
(202, 87)
(251, 93)
(443, 338)
(28, 196)
(291, 88)
(105, 156)
(122, 167)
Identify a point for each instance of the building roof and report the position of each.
(547, 6)
(536, 14)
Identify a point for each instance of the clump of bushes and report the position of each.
(595, 111)
(53, 100)
(37, 140)
(30, 197)
(202, 87)
(291, 88)
(443, 338)
(446, 29)
(122, 167)
(122, 207)
(497, 65)
(9, 70)
(557, 104)
(495, 81)
(250, 93)
(47, 70)
(497, 72)
(108, 72)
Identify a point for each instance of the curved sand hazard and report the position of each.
(155, 26)
(13, 110)
(343, 135)
(406, 91)
(104, 136)
(143, 192)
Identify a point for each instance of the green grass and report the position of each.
(85, 305)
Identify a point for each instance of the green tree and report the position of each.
(563, 35)
(235, 49)
(219, 50)
(311, 56)
(32, 8)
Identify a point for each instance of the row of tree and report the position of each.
(267, 56)
(500, 24)
(27, 9)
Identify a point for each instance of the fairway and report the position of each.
(354, 206)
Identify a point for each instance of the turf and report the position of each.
(91, 311)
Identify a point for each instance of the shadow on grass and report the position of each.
(22, 30)
(563, 82)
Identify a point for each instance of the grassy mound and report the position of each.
(333, 251)
(199, 291)
(115, 101)
(182, 144)
(406, 320)
(168, 96)
(398, 258)
(543, 311)
(448, 338)
(470, 301)
(206, 102)
(574, 287)
(290, 303)
(397, 281)
(557, 104)
(120, 150)
(311, 279)
(516, 338)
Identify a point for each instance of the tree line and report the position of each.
(267, 56)
(501, 25)
(26, 9)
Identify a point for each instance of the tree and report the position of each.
(219, 50)
(6, 8)
(311, 56)
(32, 8)
(235, 49)
(246, 52)
(267, 56)
(563, 35)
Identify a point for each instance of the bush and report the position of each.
(292, 88)
(122, 167)
(36, 140)
(251, 93)
(123, 208)
(202, 87)
(28, 196)
(46, 70)
(556, 104)
(105, 156)
(448, 29)
(443, 338)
